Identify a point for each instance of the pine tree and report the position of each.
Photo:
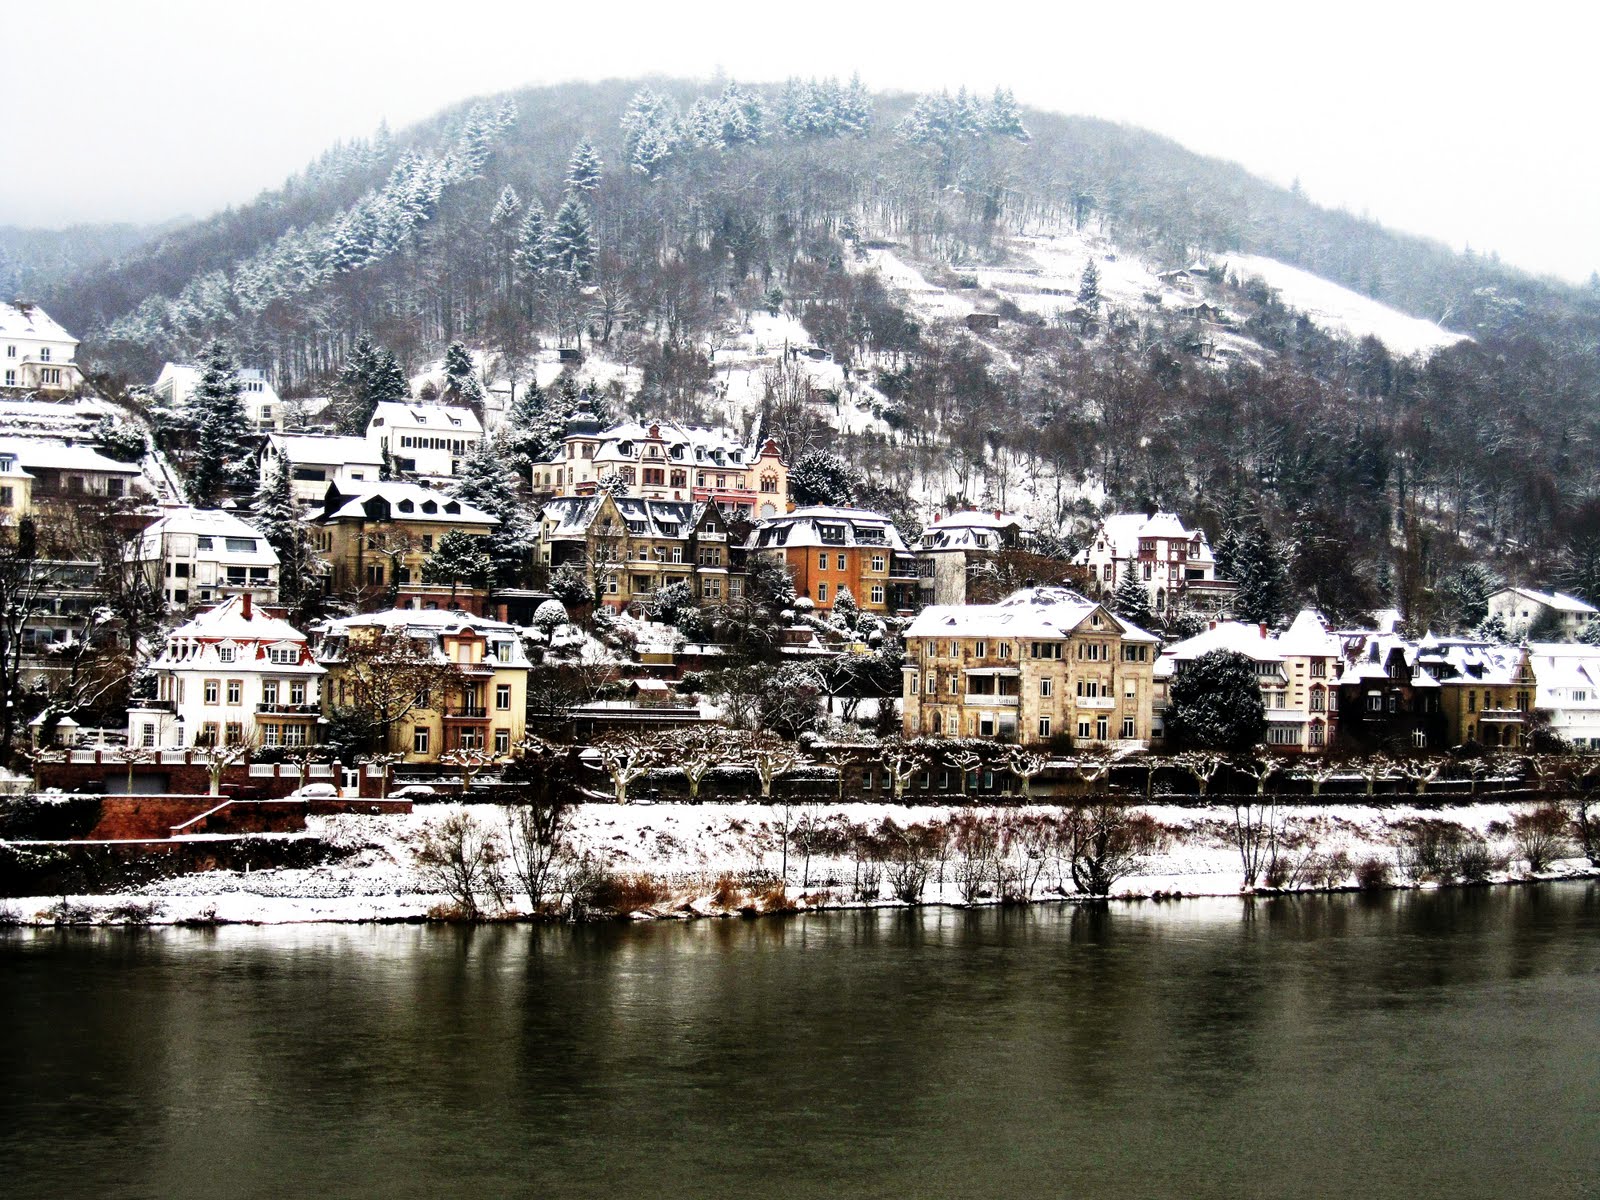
(221, 446)
(1260, 571)
(461, 385)
(532, 255)
(1004, 118)
(507, 208)
(1089, 288)
(458, 559)
(584, 169)
(1130, 600)
(370, 376)
(571, 244)
(277, 515)
(488, 482)
(855, 109)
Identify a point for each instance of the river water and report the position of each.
(1406, 1045)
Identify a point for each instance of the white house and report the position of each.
(262, 404)
(1523, 608)
(35, 352)
(61, 471)
(1567, 678)
(234, 672)
(426, 440)
(956, 543)
(315, 461)
(202, 555)
(1173, 562)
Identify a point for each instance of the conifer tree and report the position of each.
(221, 447)
(584, 169)
(371, 375)
(278, 517)
(458, 559)
(571, 244)
(1089, 288)
(461, 385)
(507, 208)
(1004, 118)
(487, 481)
(1130, 600)
(532, 255)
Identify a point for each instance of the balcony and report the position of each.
(1103, 703)
(1500, 716)
(166, 706)
(466, 712)
(989, 700)
(272, 708)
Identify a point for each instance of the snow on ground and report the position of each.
(691, 846)
(1341, 311)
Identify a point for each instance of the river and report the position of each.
(1403, 1045)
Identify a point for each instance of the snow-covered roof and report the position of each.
(681, 445)
(1559, 601)
(392, 414)
(62, 456)
(1253, 641)
(1121, 533)
(569, 516)
(820, 525)
(19, 318)
(228, 622)
(228, 532)
(325, 450)
(973, 530)
(1037, 612)
(426, 624)
(406, 502)
(1308, 636)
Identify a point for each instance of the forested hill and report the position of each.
(654, 222)
(34, 261)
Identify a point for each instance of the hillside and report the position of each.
(33, 261)
(1385, 408)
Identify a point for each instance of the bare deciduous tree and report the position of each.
(459, 857)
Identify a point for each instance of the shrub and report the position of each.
(775, 899)
(458, 857)
(1541, 835)
(1474, 861)
(133, 912)
(1372, 874)
(727, 894)
(626, 893)
(1431, 849)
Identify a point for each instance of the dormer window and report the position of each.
(406, 506)
(227, 654)
(453, 508)
(428, 506)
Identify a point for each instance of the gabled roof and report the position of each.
(806, 527)
(1559, 601)
(325, 450)
(60, 456)
(1122, 531)
(404, 502)
(445, 418)
(19, 318)
(974, 530)
(1039, 612)
(227, 622)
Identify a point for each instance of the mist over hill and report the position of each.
(653, 223)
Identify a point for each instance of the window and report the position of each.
(502, 696)
(985, 725)
(1127, 727)
(11, 379)
(1083, 729)
(840, 561)
(1472, 702)
(1318, 734)
(822, 561)
(1375, 702)
(7, 497)
(1004, 650)
(877, 593)
(11, 351)
(44, 353)
(284, 655)
(1047, 650)
(1283, 735)
(933, 683)
(1102, 728)
(235, 691)
(297, 692)
(980, 649)
(502, 741)
(213, 691)
(235, 733)
(419, 740)
(1318, 700)
(1047, 687)
(822, 593)
(879, 563)
(227, 654)
(1319, 668)
(375, 574)
(239, 545)
(208, 734)
(1044, 727)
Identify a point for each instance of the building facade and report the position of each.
(829, 551)
(263, 407)
(36, 354)
(316, 461)
(1044, 666)
(236, 672)
(1174, 563)
(376, 537)
(955, 546)
(1525, 611)
(428, 441)
(630, 548)
(200, 556)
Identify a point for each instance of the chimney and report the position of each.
(997, 514)
(246, 605)
(1263, 628)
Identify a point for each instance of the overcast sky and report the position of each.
(1473, 125)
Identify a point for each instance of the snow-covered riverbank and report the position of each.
(718, 858)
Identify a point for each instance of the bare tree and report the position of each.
(539, 835)
(626, 757)
(220, 758)
(965, 758)
(1105, 842)
(1253, 834)
(1025, 764)
(470, 761)
(1203, 767)
(902, 759)
(696, 753)
(460, 857)
(382, 676)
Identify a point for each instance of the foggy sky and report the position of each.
(1468, 124)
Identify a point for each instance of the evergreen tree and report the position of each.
(1258, 568)
(1089, 288)
(222, 434)
(1215, 704)
(1004, 118)
(571, 244)
(487, 481)
(1130, 600)
(855, 109)
(458, 559)
(371, 375)
(532, 255)
(821, 477)
(461, 385)
(507, 208)
(584, 169)
(277, 516)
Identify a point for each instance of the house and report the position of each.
(955, 546)
(1174, 563)
(630, 548)
(1043, 665)
(317, 460)
(1486, 692)
(1387, 699)
(482, 706)
(665, 461)
(1297, 672)
(1567, 691)
(36, 354)
(264, 408)
(832, 550)
(235, 672)
(67, 473)
(200, 556)
(16, 488)
(377, 536)
(429, 441)
(1526, 612)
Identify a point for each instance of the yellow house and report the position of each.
(378, 536)
(1042, 664)
(436, 681)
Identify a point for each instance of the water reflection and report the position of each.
(1287, 1046)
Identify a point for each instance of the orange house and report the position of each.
(829, 550)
